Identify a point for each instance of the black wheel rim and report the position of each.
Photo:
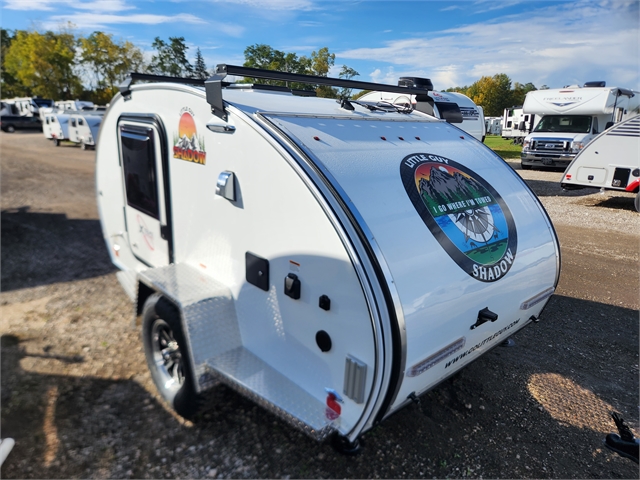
(167, 357)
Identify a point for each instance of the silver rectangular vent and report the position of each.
(355, 377)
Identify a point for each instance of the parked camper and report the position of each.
(493, 125)
(76, 105)
(516, 124)
(610, 162)
(570, 118)
(331, 261)
(455, 108)
(83, 128)
(56, 127)
(25, 106)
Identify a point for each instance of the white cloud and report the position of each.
(102, 6)
(99, 20)
(554, 45)
(31, 4)
(272, 4)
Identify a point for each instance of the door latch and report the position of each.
(485, 315)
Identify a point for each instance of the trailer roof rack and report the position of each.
(214, 84)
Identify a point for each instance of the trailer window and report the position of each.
(449, 112)
(73, 122)
(139, 165)
(80, 122)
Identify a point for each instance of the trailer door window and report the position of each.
(139, 164)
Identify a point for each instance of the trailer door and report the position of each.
(145, 183)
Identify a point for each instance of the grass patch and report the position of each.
(505, 148)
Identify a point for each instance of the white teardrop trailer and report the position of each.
(330, 260)
(611, 161)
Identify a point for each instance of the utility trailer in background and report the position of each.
(331, 260)
(610, 162)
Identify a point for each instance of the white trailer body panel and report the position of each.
(611, 161)
(359, 207)
(575, 101)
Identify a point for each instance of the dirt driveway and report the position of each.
(78, 399)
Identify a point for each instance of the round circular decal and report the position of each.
(463, 212)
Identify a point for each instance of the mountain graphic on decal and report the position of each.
(443, 188)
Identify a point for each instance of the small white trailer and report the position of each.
(26, 106)
(610, 162)
(84, 127)
(55, 126)
(453, 107)
(493, 125)
(569, 118)
(330, 260)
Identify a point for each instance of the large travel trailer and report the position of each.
(610, 162)
(570, 118)
(26, 106)
(55, 126)
(84, 127)
(332, 261)
(455, 108)
(516, 124)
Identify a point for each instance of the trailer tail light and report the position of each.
(568, 176)
(334, 400)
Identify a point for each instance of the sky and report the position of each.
(454, 43)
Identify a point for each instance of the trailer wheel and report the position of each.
(165, 349)
(56, 142)
(10, 129)
(636, 202)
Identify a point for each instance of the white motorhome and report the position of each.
(453, 107)
(611, 161)
(330, 261)
(570, 118)
(84, 127)
(55, 126)
(516, 124)
(26, 106)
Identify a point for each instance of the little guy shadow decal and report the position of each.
(464, 213)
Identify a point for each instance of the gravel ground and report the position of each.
(78, 399)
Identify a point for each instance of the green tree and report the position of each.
(492, 93)
(321, 63)
(171, 58)
(520, 91)
(9, 85)
(347, 73)
(199, 67)
(109, 62)
(267, 58)
(43, 64)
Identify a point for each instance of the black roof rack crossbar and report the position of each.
(313, 79)
(213, 85)
(125, 86)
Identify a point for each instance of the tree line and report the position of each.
(64, 65)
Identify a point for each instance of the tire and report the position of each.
(636, 202)
(165, 350)
(56, 142)
(83, 146)
(525, 167)
(10, 129)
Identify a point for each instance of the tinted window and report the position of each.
(449, 112)
(73, 122)
(80, 122)
(138, 161)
